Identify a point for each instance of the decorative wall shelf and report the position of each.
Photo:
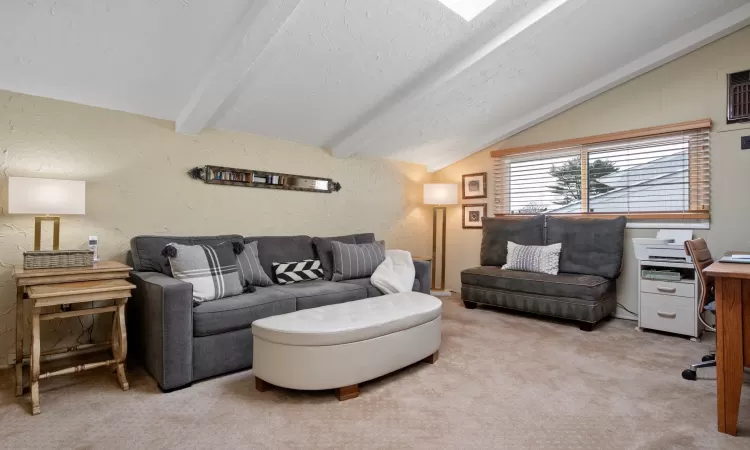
(262, 179)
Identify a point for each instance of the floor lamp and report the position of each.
(440, 195)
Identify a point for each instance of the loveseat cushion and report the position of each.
(562, 307)
(281, 249)
(146, 250)
(585, 287)
(234, 313)
(324, 249)
(311, 294)
(589, 246)
(497, 231)
(372, 291)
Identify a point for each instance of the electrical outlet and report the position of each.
(11, 359)
(745, 142)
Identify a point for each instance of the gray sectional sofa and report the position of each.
(583, 291)
(179, 343)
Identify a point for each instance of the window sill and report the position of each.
(667, 216)
(671, 225)
(696, 220)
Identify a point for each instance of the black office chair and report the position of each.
(698, 250)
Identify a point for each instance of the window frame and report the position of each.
(571, 146)
(731, 119)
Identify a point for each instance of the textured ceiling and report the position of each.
(140, 56)
(409, 80)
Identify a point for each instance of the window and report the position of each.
(467, 9)
(657, 173)
(738, 97)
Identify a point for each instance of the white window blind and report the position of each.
(667, 173)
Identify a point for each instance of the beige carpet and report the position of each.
(502, 381)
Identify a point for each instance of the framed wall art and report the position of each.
(473, 214)
(474, 185)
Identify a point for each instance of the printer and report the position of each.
(668, 246)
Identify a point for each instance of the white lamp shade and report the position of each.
(440, 194)
(44, 196)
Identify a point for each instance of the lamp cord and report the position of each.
(626, 309)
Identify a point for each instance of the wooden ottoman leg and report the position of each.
(432, 359)
(261, 385)
(347, 392)
(35, 356)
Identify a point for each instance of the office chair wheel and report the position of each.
(708, 358)
(690, 375)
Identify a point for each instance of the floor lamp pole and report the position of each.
(435, 286)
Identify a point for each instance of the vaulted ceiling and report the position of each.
(408, 80)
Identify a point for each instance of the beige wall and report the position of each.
(692, 87)
(135, 170)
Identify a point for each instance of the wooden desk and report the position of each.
(732, 338)
(45, 288)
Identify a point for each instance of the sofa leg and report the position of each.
(469, 305)
(586, 326)
(174, 389)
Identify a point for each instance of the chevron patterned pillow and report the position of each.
(294, 272)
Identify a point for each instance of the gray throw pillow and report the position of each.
(211, 269)
(352, 261)
(496, 232)
(250, 270)
(533, 258)
(324, 249)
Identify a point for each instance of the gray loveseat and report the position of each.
(179, 343)
(585, 288)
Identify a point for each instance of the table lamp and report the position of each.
(439, 194)
(47, 199)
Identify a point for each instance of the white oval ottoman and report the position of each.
(339, 346)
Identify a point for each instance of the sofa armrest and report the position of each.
(423, 273)
(160, 327)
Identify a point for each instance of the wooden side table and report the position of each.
(732, 285)
(45, 288)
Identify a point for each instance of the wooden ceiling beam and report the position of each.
(347, 141)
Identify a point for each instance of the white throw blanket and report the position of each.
(395, 274)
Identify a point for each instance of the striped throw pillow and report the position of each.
(294, 272)
(533, 258)
(211, 269)
(251, 272)
(352, 261)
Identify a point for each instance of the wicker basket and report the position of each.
(58, 259)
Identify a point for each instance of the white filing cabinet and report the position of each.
(670, 306)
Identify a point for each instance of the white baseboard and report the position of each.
(625, 316)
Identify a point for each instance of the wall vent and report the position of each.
(738, 97)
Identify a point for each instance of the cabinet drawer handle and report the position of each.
(668, 315)
(666, 289)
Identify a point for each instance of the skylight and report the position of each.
(468, 9)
